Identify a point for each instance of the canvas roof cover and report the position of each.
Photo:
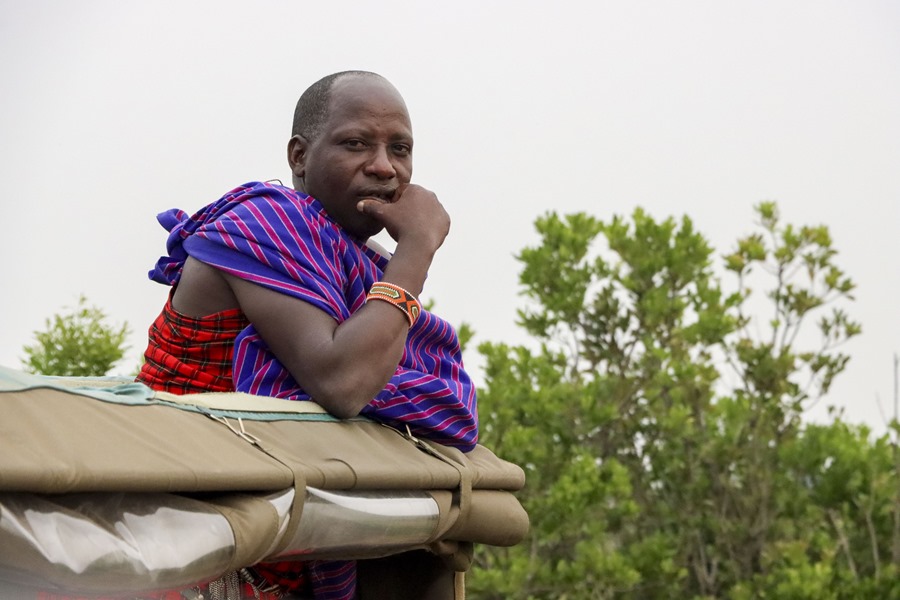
(260, 478)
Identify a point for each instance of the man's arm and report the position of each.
(344, 366)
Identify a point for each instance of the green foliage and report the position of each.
(76, 343)
(658, 421)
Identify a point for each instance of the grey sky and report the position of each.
(114, 111)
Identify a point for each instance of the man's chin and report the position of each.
(365, 229)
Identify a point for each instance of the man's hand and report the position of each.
(414, 216)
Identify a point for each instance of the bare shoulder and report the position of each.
(202, 290)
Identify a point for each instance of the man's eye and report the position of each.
(355, 144)
(402, 149)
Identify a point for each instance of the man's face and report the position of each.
(363, 151)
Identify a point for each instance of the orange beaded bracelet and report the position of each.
(396, 295)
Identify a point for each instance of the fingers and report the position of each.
(410, 192)
(414, 213)
(371, 206)
(406, 196)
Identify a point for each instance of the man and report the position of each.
(278, 292)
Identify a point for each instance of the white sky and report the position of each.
(113, 111)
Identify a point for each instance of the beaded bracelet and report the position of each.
(396, 295)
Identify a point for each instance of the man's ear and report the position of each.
(296, 155)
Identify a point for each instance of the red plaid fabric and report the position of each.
(186, 355)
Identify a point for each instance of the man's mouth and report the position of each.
(379, 193)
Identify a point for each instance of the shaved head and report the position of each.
(312, 107)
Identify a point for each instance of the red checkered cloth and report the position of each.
(186, 355)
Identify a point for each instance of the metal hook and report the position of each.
(242, 433)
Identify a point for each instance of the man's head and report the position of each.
(351, 139)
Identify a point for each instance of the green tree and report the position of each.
(658, 420)
(76, 343)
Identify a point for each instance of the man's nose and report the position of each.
(380, 164)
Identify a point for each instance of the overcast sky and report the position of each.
(112, 111)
